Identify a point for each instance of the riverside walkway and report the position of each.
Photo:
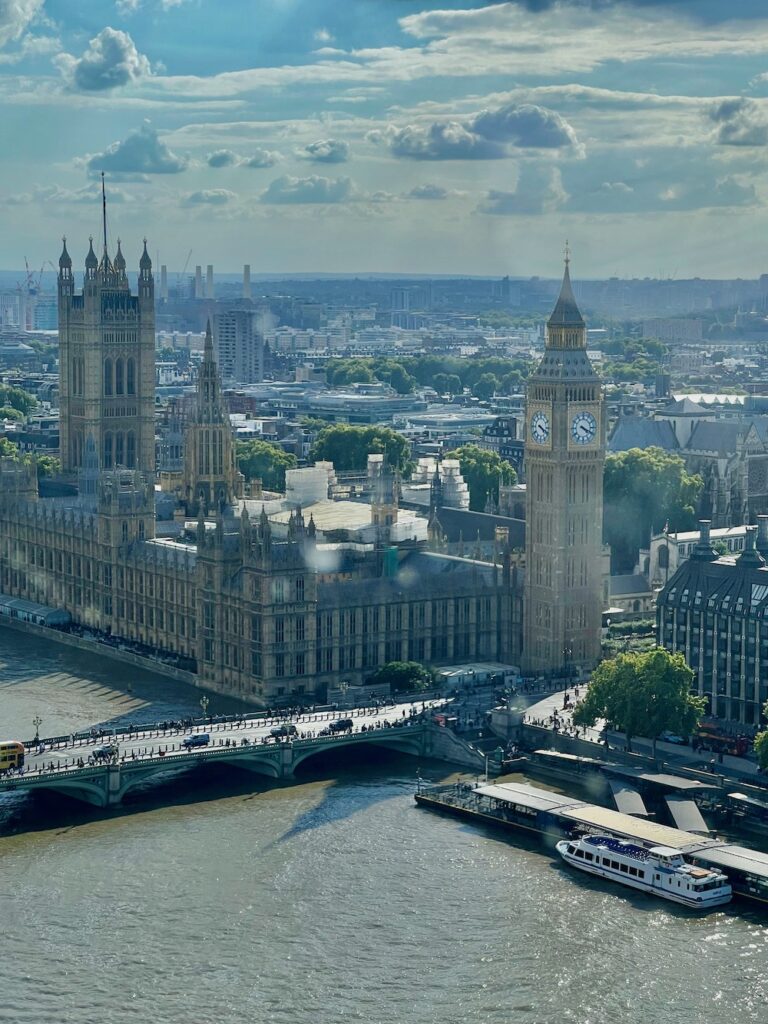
(74, 767)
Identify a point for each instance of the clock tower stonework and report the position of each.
(564, 456)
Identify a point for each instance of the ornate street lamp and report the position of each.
(37, 722)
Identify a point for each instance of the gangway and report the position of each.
(627, 799)
(686, 815)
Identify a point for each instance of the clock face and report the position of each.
(583, 428)
(539, 427)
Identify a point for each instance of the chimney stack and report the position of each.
(247, 281)
(209, 281)
(164, 282)
(704, 551)
(198, 282)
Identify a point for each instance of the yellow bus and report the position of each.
(11, 754)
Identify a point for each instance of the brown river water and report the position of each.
(230, 899)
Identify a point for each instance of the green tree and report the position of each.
(486, 387)
(264, 461)
(17, 398)
(7, 412)
(395, 374)
(642, 695)
(348, 447)
(644, 489)
(404, 676)
(340, 372)
(8, 449)
(47, 465)
(447, 384)
(483, 470)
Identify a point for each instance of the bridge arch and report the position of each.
(399, 741)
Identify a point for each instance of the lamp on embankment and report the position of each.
(204, 702)
(37, 722)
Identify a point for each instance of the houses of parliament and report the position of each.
(270, 608)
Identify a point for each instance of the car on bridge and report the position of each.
(105, 752)
(283, 730)
(200, 739)
(341, 725)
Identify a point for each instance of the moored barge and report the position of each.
(552, 816)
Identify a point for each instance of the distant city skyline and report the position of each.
(383, 137)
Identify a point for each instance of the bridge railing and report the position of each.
(189, 725)
(173, 754)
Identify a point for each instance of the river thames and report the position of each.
(334, 899)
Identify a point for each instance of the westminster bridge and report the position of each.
(84, 767)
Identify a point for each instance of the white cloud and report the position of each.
(209, 197)
(322, 35)
(428, 191)
(740, 122)
(326, 151)
(15, 16)
(262, 158)
(538, 191)
(489, 135)
(140, 152)
(111, 60)
(314, 189)
(88, 194)
(221, 158)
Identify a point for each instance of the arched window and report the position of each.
(130, 374)
(125, 532)
(107, 376)
(119, 382)
(119, 449)
(130, 453)
(664, 557)
(141, 530)
(108, 451)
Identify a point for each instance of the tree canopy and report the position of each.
(644, 489)
(642, 695)
(45, 465)
(404, 676)
(429, 371)
(486, 387)
(483, 470)
(267, 462)
(17, 399)
(761, 743)
(348, 447)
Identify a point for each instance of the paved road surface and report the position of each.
(148, 742)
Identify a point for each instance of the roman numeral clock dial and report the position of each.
(583, 428)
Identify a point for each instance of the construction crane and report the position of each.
(180, 277)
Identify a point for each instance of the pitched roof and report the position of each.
(628, 585)
(718, 436)
(639, 432)
(566, 312)
(683, 407)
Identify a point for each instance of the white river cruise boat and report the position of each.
(660, 870)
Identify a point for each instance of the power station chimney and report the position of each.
(247, 281)
(164, 282)
(209, 281)
(198, 282)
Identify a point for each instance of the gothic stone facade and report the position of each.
(257, 618)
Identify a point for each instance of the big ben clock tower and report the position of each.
(564, 457)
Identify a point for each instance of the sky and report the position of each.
(391, 136)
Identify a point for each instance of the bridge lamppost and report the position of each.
(37, 722)
(204, 702)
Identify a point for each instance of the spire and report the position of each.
(90, 260)
(145, 263)
(566, 312)
(119, 263)
(65, 260)
(208, 347)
